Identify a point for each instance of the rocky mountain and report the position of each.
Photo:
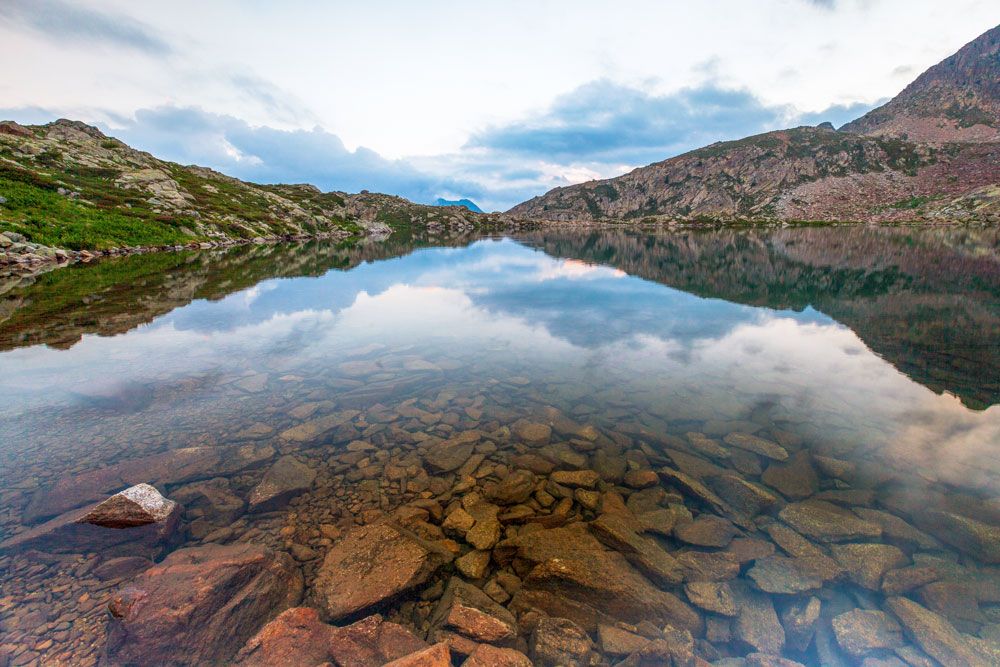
(932, 153)
(467, 203)
(68, 185)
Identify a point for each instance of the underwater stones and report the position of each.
(438, 655)
(515, 488)
(212, 498)
(799, 620)
(935, 635)
(533, 433)
(619, 531)
(486, 531)
(750, 498)
(560, 642)
(372, 564)
(757, 624)
(708, 566)
(587, 479)
(895, 582)
(471, 613)
(451, 454)
(641, 479)
(473, 564)
(284, 480)
(795, 479)
(201, 603)
(706, 531)
(295, 637)
(826, 522)
(757, 445)
(618, 643)
(458, 522)
(716, 597)
(896, 529)
(861, 631)
(371, 642)
(782, 575)
(136, 521)
(866, 563)
(316, 428)
(486, 655)
(694, 488)
(975, 538)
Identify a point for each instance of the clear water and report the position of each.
(876, 348)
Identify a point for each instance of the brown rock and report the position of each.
(750, 498)
(316, 428)
(757, 445)
(935, 635)
(799, 620)
(372, 642)
(533, 433)
(199, 605)
(704, 566)
(468, 611)
(124, 567)
(587, 479)
(213, 497)
(474, 564)
(711, 596)
(515, 488)
(866, 563)
(906, 579)
(757, 623)
(897, 530)
(694, 488)
(706, 531)
(450, 454)
(295, 637)
(491, 656)
(778, 574)
(284, 480)
(558, 642)
(975, 538)
(372, 564)
(828, 523)
(795, 479)
(641, 479)
(438, 655)
(861, 631)
(618, 531)
(619, 643)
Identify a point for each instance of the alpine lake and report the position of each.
(591, 446)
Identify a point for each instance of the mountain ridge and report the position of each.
(874, 171)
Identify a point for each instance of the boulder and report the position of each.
(757, 445)
(862, 631)
(795, 479)
(826, 522)
(533, 433)
(450, 454)
(713, 596)
(757, 624)
(934, 634)
(137, 521)
(618, 530)
(865, 564)
(212, 498)
(707, 530)
(200, 605)
(371, 565)
(779, 574)
(513, 489)
(799, 620)
(471, 613)
(975, 538)
(438, 655)
(559, 642)
(485, 655)
(317, 428)
(285, 479)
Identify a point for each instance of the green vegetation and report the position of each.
(911, 202)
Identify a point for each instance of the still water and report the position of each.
(816, 408)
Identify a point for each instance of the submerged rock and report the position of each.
(470, 612)
(371, 565)
(200, 605)
(935, 635)
(284, 480)
(559, 642)
(137, 505)
(757, 445)
(826, 522)
(861, 631)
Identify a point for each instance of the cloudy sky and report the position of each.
(493, 100)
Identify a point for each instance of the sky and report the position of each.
(497, 101)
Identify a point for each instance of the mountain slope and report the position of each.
(467, 203)
(67, 185)
(820, 174)
(956, 100)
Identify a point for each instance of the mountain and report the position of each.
(467, 203)
(931, 154)
(67, 185)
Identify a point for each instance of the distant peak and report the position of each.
(467, 203)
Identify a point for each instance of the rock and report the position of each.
(491, 656)
(975, 538)
(866, 563)
(438, 655)
(799, 620)
(474, 564)
(956, 601)
(706, 531)
(675, 648)
(571, 572)
(450, 454)
(371, 642)
(619, 643)
(315, 429)
(587, 479)
(459, 522)
(779, 574)
(471, 613)
(200, 605)
(487, 530)
(696, 489)
(618, 531)
(213, 497)
(590, 500)
(533, 462)
(124, 567)
(559, 642)
(895, 529)
(826, 522)
(795, 479)
(757, 445)
(372, 564)
(757, 623)
(641, 479)
(903, 580)
(136, 521)
(711, 596)
(703, 566)
(172, 467)
(750, 498)
(284, 480)
(295, 637)
(861, 631)
(935, 635)
(513, 489)
(533, 433)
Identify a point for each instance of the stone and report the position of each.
(757, 445)
(533, 462)
(316, 428)
(513, 489)
(795, 479)
(862, 631)
(372, 564)
(137, 521)
(675, 647)
(176, 466)
(705, 566)
(641, 479)
(487, 530)
(757, 623)
(826, 522)
(694, 488)
(618, 531)
(746, 496)
(559, 642)
(956, 601)
(707, 531)
(284, 480)
(474, 564)
(903, 580)
(746, 549)
(438, 655)
(934, 634)
(716, 597)
(799, 620)
(213, 497)
(782, 575)
(533, 433)
(587, 479)
(459, 522)
(468, 611)
(619, 643)
(124, 567)
(202, 603)
(451, 454)
(866, 563)
(896, 529)
(975, 538)
(372, 642)
(485, 655)
(570, 571)
(588, 499)
(295, 637)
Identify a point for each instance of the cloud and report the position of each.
(62, 21)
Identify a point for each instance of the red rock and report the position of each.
(435, 656)
(491, 656)
(199, 605)
(373, 641)
(467, 610)
(295, 637)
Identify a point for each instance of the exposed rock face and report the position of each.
(137, 521)
(200, 605)
(373, 564)
(283, 481)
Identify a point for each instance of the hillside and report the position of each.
(885, 168)
(66, 185)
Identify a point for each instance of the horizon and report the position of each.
(544, 98)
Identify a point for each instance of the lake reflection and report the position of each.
(876, 348)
